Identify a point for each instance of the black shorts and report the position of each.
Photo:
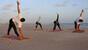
(80, 20)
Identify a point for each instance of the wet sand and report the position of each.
(46, 40)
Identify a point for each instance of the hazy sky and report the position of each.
(69, 10)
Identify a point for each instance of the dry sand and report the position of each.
(63, 40)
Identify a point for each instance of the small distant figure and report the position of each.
(56, 23)
(14, 23)
(78, 21)
(38, 24)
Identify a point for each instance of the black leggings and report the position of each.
(56, 24)
(75, 25)
(37, 23)
(12, 25)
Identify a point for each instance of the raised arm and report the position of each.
(57, 17)
(18, 7)
(39, 19)
(81, 13)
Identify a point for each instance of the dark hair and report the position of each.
(22, 19)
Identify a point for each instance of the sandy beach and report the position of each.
(46, 40)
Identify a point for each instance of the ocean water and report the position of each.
(67, 25)
(71, 25)
(50, 26)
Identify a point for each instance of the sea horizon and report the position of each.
(50, 25)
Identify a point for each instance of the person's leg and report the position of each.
(78, 27)
(21, 36)
(10, 26)
(40, 26)
(75, 25)
(59, 26)
(15, 30)
(36, 25)
(54, 27)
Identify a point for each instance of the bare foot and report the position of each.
(20, 38)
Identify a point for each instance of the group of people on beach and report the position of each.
(77, 23)
(16, 23)
(56, 23)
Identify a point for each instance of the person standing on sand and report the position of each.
(56, 23)
(17, 21)
(78, 21)
(38, 24)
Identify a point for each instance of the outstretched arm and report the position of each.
(81, 13)
(57, 17)
(18, 6)
(39, 19)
